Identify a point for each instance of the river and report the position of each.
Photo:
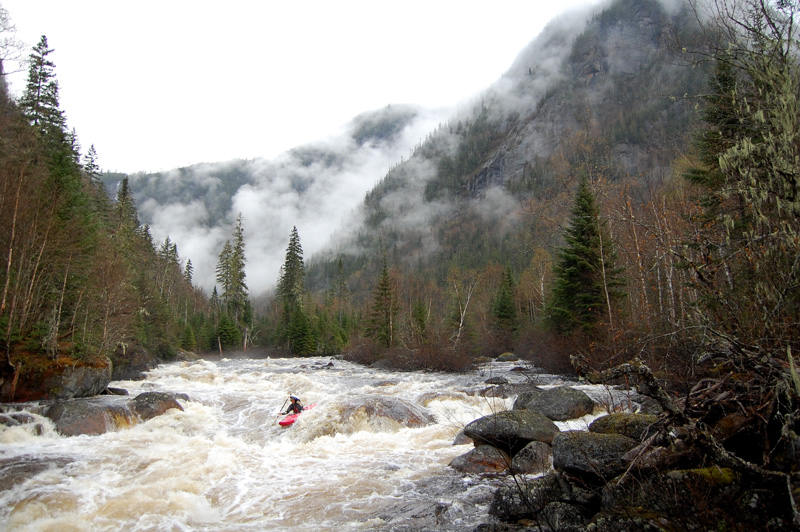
(224, 463)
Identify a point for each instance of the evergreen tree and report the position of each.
(586, 281)
(745, 246)
(296, 330)
(39, 103)
(504, 306)
(90, 167)
(381, 322)
(125, 207)
(188, 272)
(291, 282)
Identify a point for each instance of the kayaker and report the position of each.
(295, 407)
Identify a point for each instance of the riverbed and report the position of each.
(224, 463)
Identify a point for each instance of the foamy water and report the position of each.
(224, 463)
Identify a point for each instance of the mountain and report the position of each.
(604, 96)
(313, 187)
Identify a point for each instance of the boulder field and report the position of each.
(622, 474)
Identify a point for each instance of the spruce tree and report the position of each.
(39, 103)
(504, 306)
(291, 283)
(296, 331)
(586, 280)
(381, 324)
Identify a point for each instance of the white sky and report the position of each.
(158, 84)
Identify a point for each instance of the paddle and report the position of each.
(281, 410)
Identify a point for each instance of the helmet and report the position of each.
(294, 397)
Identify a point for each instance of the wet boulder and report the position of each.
(98, 415)
(591, 456)
(77, 416)
(148, 405)
(511, 430)
(482, 459)
(536, 457)
(636, 426)
(563, 516)
(525, 500)
(462, 439)
(559, 404)
(378, 408)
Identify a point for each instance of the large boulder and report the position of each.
(636, 426)
(559, 404)
(79, 416)
(511, 430)
(379, 410)
(482, 459)
(99, 415)
(591, 456)
(148, 405)
(57, 379)
(518, 501)
(536, 457)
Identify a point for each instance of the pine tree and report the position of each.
(90, 167)
(381, 322)
(188, 271)
(586, 280)
(291, 283)
(504, 306)
(39, 103)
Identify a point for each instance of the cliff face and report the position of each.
(617, 81)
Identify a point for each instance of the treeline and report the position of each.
(81, 278)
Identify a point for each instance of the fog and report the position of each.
(320, 187)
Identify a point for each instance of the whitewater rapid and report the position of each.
(224, 463)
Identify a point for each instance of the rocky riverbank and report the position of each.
(634, 471)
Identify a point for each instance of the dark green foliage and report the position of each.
(381, 325)
(291, 283)
(504, 306)
(586, 280)
(228, 333)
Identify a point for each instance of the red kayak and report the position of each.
(291, 418)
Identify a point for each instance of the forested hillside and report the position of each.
(482, 205)
(82, 281)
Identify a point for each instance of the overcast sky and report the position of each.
(155, 85)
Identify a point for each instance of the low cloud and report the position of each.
(319, 188)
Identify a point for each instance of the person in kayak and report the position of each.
(295, 407)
